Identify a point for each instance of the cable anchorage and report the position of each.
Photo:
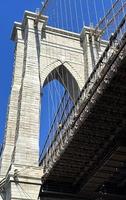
(39, 13)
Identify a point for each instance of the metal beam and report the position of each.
(59, 195)
(46, 195)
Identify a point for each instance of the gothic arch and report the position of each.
(65, 74)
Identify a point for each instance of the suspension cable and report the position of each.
(71, 18)
(82, 15)
(96, 14)
(107, 31)
(44, 6)
(89, 17)
(107, 14)
(76, 15)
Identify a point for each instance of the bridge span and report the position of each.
(87, 157)
(84, 154)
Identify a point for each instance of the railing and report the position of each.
(114, 50)
(61, 115)
(111, 20)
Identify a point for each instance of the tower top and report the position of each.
(27, 15)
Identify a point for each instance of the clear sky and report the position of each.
(13, 10)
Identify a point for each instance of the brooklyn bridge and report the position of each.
(65, 132)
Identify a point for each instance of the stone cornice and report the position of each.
(20, 26)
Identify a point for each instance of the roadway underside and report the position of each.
(93, 166)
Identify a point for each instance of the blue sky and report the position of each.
(13, 11)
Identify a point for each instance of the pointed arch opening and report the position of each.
(65, 77)
(59, 93)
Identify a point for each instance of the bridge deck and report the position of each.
(94, 155)
(93, 162)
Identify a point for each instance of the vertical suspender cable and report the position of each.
(61, 12)
(57, 14)
(49, 111)
(107, 32)
(71, 18)
(75, 5)
(96, 14)
(113, 15)
(82, 15)
(88, 11)
(66, 16)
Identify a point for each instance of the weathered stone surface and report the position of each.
(23, 182)
(39, 51)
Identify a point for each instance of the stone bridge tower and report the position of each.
(19, 167)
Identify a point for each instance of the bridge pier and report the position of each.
(19, 167)
(93, 47)
(22, 183)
